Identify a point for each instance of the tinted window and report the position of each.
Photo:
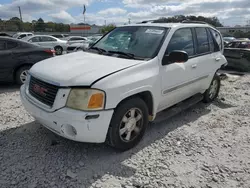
(244, 45)
(35, 39)
(57, 36)
(182, 40)
(72, 39)
(29, 34)
(47, 39)
(11, 45)
(22, 36)
(202, 40)
(217, 37)
(2, 45)
(233, 45)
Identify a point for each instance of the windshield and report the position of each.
(141, 41)
(15, 35)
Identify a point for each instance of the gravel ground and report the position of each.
(207, 145)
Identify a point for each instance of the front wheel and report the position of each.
(213, 91)
(128, 124)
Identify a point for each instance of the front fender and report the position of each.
(132, 81)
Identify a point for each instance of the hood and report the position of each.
(79, 68)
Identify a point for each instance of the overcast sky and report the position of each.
(230, 12)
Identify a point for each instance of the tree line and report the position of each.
(214, 21)
(15, 24)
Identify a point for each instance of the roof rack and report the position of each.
(146, 21)
(193, 21)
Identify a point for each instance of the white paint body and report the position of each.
(119, 78)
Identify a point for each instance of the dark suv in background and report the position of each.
(237, 53)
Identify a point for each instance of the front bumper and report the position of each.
(72, 124)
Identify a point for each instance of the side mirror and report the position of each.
(176, 56)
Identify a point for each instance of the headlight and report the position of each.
(86, 99)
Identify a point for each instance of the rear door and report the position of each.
(7, 62)
(208, 54)
(47, 41)
(35, 40)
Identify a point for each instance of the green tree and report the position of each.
(107, 28)
(179, 18)
(40, 25)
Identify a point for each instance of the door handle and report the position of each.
(194, 66)
(217, 59)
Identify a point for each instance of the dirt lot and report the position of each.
(205, 146)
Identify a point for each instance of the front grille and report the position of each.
(42, 91)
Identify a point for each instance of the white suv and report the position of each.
(111, 91)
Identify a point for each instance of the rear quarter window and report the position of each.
(217, 37)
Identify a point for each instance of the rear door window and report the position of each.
(35, 39)
(202, 41)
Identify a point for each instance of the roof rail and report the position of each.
(146, 21)
(193, 21)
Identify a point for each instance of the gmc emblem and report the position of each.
(39, 90)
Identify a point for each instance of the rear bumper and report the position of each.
(71, 124)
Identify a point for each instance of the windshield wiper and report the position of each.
(129, 55)
(98, 49)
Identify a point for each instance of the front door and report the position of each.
(178, 79)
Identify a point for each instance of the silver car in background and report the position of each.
(48, 41)
(83, 45)
(74, 39)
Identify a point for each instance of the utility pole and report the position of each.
(105, 22)
(20, 12)
(21, 18)
(129, 20)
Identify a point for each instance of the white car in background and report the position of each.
(74, 39)
(84, 44)
(22, 35)
(48, 41)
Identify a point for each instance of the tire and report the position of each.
(213, 91)
(59, 50)
(119, 124)
(21, 73)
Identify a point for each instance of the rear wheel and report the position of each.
(21, 74)
(213, 91)
(58, 50)
(128, 124)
